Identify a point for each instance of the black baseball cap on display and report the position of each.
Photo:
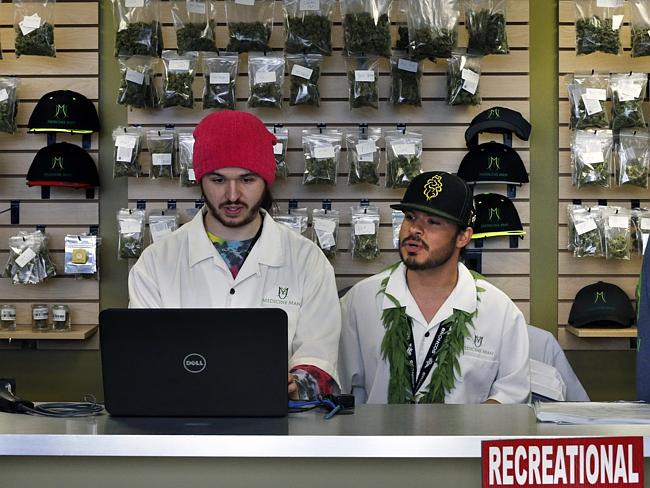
(497, 120)
(496, 215)
(64, 111)
(601, 305)
(63, 164)
(493, 162)
(439, 193)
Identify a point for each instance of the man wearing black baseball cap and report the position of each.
(427, 330)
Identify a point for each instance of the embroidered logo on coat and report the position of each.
(282, 292)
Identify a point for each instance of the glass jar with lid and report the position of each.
(40, 317)
(7, 317)
(61, 318)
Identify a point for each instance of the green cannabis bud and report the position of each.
(178, 90)
(248, 36)
(196, 37)
(429, 44)
(305, 91)
(265, 95)
(583, 120)
(311, 33)
(362, 36)
(139, 38)
(627, 114)
(593, 174)
(39, 42)
(588, 244)
(456, 94)
(617, 246)
(362, 93)
(364, 171)
(365, 246)
(130, 246)
(596, 34)
(125, 168)
(640, 43)
(401, 170)
(402, 43)
(636, 173)
(405, 86)
(136, 95)
(487, 32)
(319, 171)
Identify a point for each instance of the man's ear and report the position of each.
(463, 237)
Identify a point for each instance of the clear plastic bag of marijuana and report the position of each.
(137, 28)
(617, 232)
(304, 72)
(405, 81)
(432, 28)
(265, 77)
(325, 230)
(322, 150)
(187, 177)
(591, 157)
(308, 26)
(364, 155)
(194, 23)
(628, 92)
(34, 27)
(162, 223)
(127, 143)
(598, 25)
(249, 24)
(295, 219)
(130, 227)
(365, 232)
(485, 21)
(403, 157)
(397, 217)
(8, 104)
(80, 256)
(178, 77)
(586, 231)
(363, 80)
(587, 96)
(137, 88)
(220, 74)
(29, 261)
(366, 27)
(280, 151)
(632, 156)
(162, 149)
(463, 76)
(640, 27)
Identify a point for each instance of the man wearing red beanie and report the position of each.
(233, 254)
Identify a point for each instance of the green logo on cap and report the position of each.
(61, 111)
(494, 113)
(600, 295)
(494, 214)
(433, 187)
(494, 163)
(57, 163)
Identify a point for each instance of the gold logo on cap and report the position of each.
(433, 187)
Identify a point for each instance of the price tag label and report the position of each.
(161, 159)
(367, 158)
(301, 71)
(134, 77)
(470, 86)
(364, 75)
(124, 154)
(309, 5)
(59, 315)
(126, 141)
(324, 152)
(4, 95)
(609, 3)
(179, 65)
(7, 314)
(250, 3)
(32, 21)
(134, 3)
(130, 227)
(617, 20)
(404, 149)
(278, 148)
(158, 230)
(595, 94)
(364, 228)
(629, 90)
(40, 313)
(25, 257)
(645, 223)
(264, 77)
(324, 225)
(593, 106)
(366, 147)
(196, 7)
(618, 222)
(190, 175)
(407, 65)
(591, 158)
(586, 226)
(219, 78)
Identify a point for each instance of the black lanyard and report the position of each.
(418, 379)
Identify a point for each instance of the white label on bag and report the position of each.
(264, 77)
(6, 314)
(278, 148)
(4, 95)
(325, 239)
(364, 75)
(468, 74)
(179, 65)
(367, 158)
(366, 147)
(629, 90)
(364, 228)
(124, 154)
(301, 71)
(191, 175)
(324, 152)
(250, 3)
(161, 159)
(133, 3)
(591, 158)
(41, 313)
(592, 106)
(219, 78)
(404, 149)
(25, 257)
(407, 65)
(24, 29)
(618, 222)
(595, 94)
(158, 230)
(134, 77)
(31, 21)
(645, 223)
(126, 141)
(324, 225)
(196, 7)
(586, 226)
(617, 20)
(59, 315)
(309, 5)
(130, 227)
(609, 3)
(470, 86)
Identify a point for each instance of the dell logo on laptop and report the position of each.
(194, 363)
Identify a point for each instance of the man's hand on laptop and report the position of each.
(293, 388)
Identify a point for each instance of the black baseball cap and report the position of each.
(493, 162)
(496, 215)
(63, 164)
(439, 193)
(497, 120)
(64, 111)
(601, 305)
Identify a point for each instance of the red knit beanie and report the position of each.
(233, 139)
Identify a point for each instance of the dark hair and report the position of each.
(267, 199)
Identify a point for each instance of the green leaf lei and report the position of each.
(395, 343)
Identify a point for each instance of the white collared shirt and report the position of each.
(283, 270)
(494, 364)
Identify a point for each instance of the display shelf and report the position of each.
(78, 332)
(601, 332)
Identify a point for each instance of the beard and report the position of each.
(246, 218)
(432, 261)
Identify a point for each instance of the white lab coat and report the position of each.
(494, 364)
(283, 270)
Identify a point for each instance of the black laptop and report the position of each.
(194, 362)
